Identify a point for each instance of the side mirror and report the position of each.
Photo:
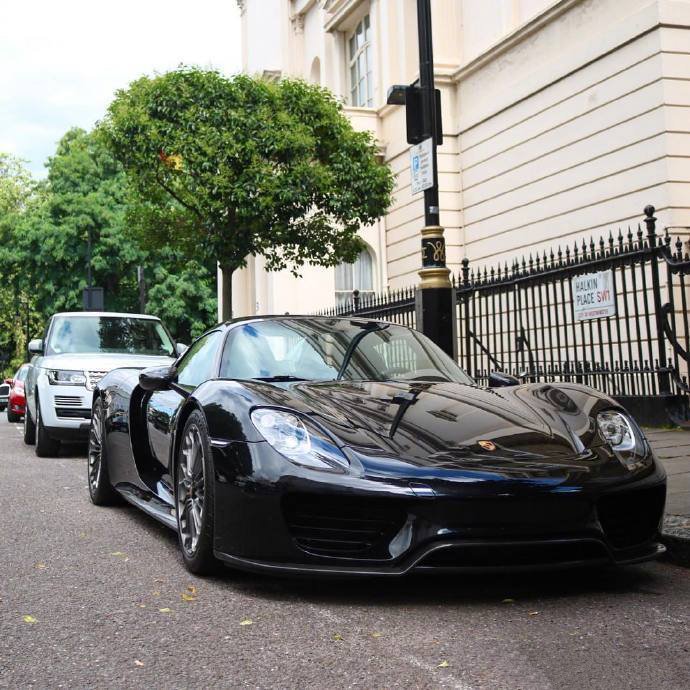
(181, 348)
(36, 346)
(157, 378)
(498, 379)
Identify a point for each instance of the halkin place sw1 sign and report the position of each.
(594, 296)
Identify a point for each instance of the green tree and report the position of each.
(226, 168)
(85, 198)
(17, 188)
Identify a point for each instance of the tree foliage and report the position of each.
(17, 188)
(226, 168)
(84, 195)
(44, 230)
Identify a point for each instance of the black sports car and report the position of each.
(341, 445)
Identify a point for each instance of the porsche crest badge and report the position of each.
(487, 445)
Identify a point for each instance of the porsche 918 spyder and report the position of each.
(349, 446)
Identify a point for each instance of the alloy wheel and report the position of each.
(95, 447)
(190, 489)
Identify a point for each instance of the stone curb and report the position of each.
(675, 535)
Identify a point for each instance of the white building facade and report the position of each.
(561, 120)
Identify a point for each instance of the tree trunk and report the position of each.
(226, 293)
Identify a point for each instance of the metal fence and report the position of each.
(397, 306)
(523, 318)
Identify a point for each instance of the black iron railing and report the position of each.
(521, 318)
(397, 306)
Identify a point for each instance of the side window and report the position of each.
(197, 364)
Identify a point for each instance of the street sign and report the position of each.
(594, 296)
(422, 166)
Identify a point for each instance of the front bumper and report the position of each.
(274, 517)
(65, 410)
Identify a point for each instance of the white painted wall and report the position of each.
(561, 120)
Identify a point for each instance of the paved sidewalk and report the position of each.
(672, 447)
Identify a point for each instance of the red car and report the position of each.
(16, 404)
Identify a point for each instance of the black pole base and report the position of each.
(435, 314)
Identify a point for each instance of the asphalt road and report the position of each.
(94, 597)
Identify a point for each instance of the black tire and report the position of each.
(197, 554)
(46, 446)
(13, 417)
(29, 428)
(100, 489)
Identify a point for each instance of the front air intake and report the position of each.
(629, 518)
(341, 527)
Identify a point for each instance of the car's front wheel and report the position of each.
(194, 497)
(100, 489)
(46, 446)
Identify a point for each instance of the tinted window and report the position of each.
(325, 349)
(109, 334)
(198, 363)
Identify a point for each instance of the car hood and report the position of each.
(449, 426)
(100, 362)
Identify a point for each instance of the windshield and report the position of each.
(329, 349)
(109, 334)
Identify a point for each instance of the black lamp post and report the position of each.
(435, 313)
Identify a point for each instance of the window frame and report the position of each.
(363, 292)
(366, 49)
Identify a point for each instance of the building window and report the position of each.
(356, 276)
(361, 78)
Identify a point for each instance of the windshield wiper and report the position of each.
(278, 379)
(367, 328)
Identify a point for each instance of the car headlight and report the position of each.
(624, 437)
(65, 377)
(299, 440)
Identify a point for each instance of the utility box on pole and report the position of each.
(93, 299)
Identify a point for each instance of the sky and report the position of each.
(61, 61)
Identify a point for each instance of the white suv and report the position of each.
(78, 350)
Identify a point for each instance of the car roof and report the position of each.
(106, 313)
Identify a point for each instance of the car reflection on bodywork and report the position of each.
(326, 445)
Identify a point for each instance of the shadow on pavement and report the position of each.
(421, 589)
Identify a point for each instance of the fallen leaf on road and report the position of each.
(40, 566)
(187, 597)
(338, 637)
(444, 664)
(138, 663)
(156, 594)
(141, 606)
(191, 589)
(29, 619)
(534, 613)
(165, 610)
(246, 621)
(508, 601)
(376, 634)
(118, 553)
